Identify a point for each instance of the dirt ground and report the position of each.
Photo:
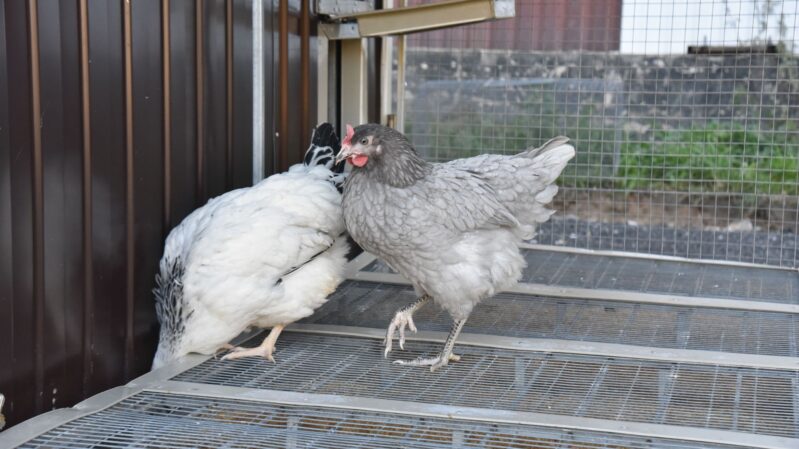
(681, 210)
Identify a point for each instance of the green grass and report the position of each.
(714, 158)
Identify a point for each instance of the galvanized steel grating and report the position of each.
(653, 276)
(737, 399)
(371, 304)
(165, 420)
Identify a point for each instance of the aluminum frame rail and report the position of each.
(356, 271)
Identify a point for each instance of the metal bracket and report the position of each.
(340, 31)
(413, 19)
(341, 8)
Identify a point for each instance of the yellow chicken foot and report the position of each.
(265, 350)
(446, 355)
(403, 318)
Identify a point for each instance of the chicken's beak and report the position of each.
(346, 145)
(345, 153)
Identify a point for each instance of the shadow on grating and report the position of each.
(162, 420)
(737, 399)
(653, 276)
(371, 304)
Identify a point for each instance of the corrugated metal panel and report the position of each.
(558, 25)
(114, 125)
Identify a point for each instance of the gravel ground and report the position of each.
(772, 248)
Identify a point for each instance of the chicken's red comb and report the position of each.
(348, 138)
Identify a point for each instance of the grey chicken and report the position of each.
(452, 229)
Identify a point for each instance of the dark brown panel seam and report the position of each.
(200, 87)
(130, 231)
(283, 82)
(88, 262)
(167, 92)
(38, 204)
(305, 67)
(229, 93)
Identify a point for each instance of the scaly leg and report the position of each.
(444, 357)
(223, 348)
(403, 317)
(265, 350)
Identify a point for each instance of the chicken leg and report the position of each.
(403, 318)
(445, 356)
(265, 350)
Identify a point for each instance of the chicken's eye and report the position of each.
(364, 141)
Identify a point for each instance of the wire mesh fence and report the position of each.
(684, 114)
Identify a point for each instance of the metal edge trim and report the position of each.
(611, 295)
(37, 293)
(33, 427)
(199, 101)
(169, 371)
(634, 255)
(166, 110)
(229, 108)
(130, 188)
(478, 414)
(185, 363)
(258, 101)
(548, 345)
(41, 424)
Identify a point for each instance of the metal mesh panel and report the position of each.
(528, 316)
(683, 114)
(161, 420)
(746, 400)
(653, 276)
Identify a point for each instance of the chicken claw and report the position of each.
(403, 318)
(445, 356)
(434, 363)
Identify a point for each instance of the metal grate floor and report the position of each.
(654, 354)
(653, 276)
(736, 399)
(151, 419)
(372, 304)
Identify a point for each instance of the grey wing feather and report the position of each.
(523, 183)
(463, 201)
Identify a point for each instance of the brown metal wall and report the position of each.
(539, 25)
(117, 118)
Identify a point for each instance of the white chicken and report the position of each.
(264, 256)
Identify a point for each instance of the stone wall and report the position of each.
(603, 91)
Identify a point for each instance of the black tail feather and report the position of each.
(323, 150)
(324, 147)
(169, 306)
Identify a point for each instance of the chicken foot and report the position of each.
(445, 356)
(265, 350)
(403, 318)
